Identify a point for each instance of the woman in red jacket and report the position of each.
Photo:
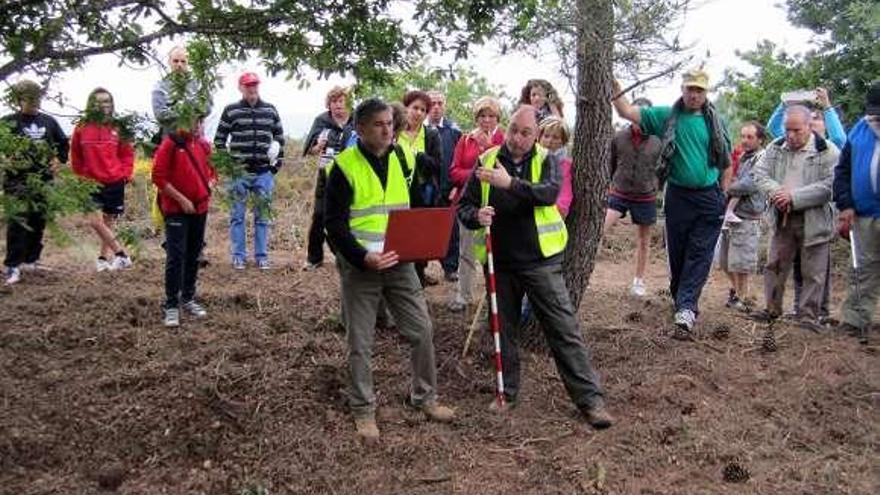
(183, 175)
(98, 152)
(487, 114)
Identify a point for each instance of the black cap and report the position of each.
(872, 100)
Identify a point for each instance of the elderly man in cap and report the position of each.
(251, 130)
(514, 190)
(695, 153)
(857, 196)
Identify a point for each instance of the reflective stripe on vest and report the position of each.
(551, 231)
(371, 204)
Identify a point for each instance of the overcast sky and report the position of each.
(719, 26)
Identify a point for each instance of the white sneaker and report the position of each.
(263, 264)
(638, 288)
(172, 317)
(684, 321)
(194, 309)
(730, 217)
(103, 265)
(13, 275)
(121, 263)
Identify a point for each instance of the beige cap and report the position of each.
(696, 78)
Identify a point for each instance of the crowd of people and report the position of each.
(387, 156)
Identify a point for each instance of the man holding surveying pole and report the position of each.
(857, 197)
(514, 190)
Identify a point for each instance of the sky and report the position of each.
(716, 27)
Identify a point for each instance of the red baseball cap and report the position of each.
(248, 78)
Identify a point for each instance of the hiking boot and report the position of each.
(13, 275)
(238, 264)
(598, 417)
(102, 265)
(638, 288)
(684, 324)
(194, 309)
(509, 404)
(263, 264)
(848, 329)
(172, 317)
(120, 262)
(438, 413)
(366, 429)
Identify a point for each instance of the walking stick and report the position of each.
(857, 286)
(493, 319)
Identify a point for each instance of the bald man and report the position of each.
(514, 190)
(796, 174)
(163, 104)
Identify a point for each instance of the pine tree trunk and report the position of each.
(590, 150)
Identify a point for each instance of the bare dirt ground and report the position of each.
(97, 397)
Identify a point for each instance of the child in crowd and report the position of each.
(543, 96)
(100, 153)
(183, 175)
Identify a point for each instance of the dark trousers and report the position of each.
(316, 229)
(24, 239)
(693, 222)
(548, 295)
(184, 238)
(450, 262)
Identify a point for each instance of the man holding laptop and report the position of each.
(366, 183)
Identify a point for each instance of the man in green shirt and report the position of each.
(695, 154)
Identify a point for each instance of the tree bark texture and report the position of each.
(590, 153)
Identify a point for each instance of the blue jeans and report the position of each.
(260, 185)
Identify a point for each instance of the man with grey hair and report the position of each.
(796, 174)
(162, 99)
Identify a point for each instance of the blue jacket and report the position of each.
(449, 136)
(833, 127)
(857, 174)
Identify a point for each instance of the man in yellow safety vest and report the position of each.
(514, 190)
(366, 182)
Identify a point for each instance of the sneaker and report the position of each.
(172, 317)
(13, 275)
(194, 309)
(495, 407)
(238, 264)
(35, 266)
(120, 262)
(366, 429)
(731, 218)
(598, 417)
(102, 265)
(308, 266)
(456, 305)
(811, 324)
(638, 288)
(263, 264)
(438, 413)
(684, 324)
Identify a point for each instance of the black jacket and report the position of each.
(514, 232)
(336, 137)
(38, 128)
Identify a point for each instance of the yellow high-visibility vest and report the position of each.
(552, 234)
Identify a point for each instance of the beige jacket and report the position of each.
(813, 198)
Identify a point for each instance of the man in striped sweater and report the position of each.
(250, 129)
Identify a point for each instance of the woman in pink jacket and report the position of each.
(100, 153)
(487, 114)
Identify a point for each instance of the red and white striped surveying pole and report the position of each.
(493, 319)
